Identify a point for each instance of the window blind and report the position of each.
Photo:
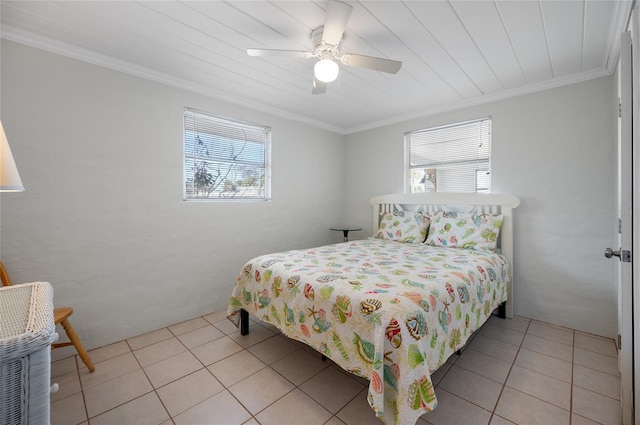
(225, 159)
(452, 158)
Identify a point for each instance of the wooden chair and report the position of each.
(60, 316)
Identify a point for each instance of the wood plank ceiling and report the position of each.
(454, 53)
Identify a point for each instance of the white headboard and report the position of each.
(482, 203)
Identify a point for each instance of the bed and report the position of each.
(392, 308)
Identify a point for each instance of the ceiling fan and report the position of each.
(326, 46)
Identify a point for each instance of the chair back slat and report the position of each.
(4, 276)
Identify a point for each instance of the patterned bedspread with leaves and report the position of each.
(387, 311)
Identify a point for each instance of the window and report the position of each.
(225, 159)
(452, 158)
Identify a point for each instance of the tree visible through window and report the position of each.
(452, 158)
(225, 159)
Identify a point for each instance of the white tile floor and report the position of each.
(203, 371)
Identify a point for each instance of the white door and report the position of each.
(635, 216)
(624, 269)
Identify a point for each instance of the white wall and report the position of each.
(102, 217)
(556, 151)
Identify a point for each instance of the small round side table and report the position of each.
(345, 230)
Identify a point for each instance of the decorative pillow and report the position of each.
(463, 230)
(403, 226)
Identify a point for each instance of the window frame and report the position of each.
(224, 126)
(485, 162)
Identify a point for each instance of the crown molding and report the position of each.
(74, 52)
(487, 98)
(620, 24)
(622, 13)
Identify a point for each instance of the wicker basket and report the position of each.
(26, 333)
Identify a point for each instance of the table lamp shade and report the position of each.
(9, 176)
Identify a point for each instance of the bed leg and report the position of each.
(502, 310)
(244, 322)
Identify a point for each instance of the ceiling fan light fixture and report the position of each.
(326, 70)
(326, 41)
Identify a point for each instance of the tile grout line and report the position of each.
(504, 384)
(334, 415)
(84, 400)
(135, 398)
(571, 383)
(146, 376)
(225, 388)
(205, 367)
(154, 390)
(284, 377)
(295, 386)
(573, 362)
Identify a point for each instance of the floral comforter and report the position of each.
(387, 311)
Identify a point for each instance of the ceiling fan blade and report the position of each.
(275, 52)
(336, 21)
(378, 64)
(318, 87)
